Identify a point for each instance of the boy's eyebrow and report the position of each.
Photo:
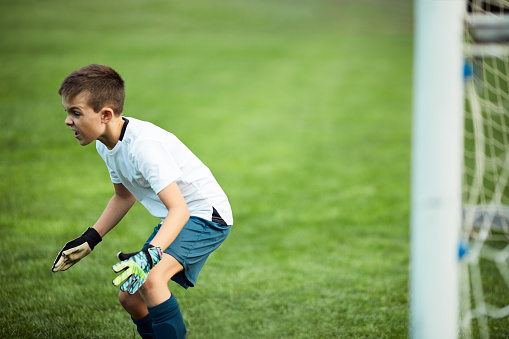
(71, 108)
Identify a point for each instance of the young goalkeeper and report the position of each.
(150, 164)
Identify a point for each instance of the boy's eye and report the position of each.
(76, 113)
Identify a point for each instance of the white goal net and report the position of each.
(484, 278)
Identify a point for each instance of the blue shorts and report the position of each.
(197, 239)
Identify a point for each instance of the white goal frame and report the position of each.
(437, 155)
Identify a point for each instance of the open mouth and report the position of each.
(76, 134)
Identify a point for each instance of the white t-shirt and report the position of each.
(147, 159)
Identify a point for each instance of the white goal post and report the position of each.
(437, 151)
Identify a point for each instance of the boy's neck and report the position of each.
(112, 132)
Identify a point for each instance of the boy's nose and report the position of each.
(68, 121)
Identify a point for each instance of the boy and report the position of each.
(150, 164)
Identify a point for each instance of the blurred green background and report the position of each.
(300, 108)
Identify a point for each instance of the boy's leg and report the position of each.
(167, 321)
(192, 246)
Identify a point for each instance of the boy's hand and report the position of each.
(135, 267)
(76, 249)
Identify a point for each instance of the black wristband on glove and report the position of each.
(92, 237)
(124, 256)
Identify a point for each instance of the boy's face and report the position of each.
(81, 118)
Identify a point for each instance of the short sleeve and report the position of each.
(113, 176)
(156, 164)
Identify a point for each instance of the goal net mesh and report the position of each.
(484, 283)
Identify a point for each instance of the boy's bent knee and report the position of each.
(154, 291)
(133, 304)
(124, 298)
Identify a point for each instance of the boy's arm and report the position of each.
(80, 247)
(135, 267)
(117, 208)
(178, 215)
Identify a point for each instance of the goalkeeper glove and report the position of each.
(76, 249)
(134, 268)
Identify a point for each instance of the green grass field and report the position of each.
(302, 110)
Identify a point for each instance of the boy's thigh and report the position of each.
(166, 268)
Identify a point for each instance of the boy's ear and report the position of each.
(106, 115)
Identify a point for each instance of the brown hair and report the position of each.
(105, 86)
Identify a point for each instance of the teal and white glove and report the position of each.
(134, 268)
(76, 249)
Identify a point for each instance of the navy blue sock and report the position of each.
(167, 320)
(144, 326)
